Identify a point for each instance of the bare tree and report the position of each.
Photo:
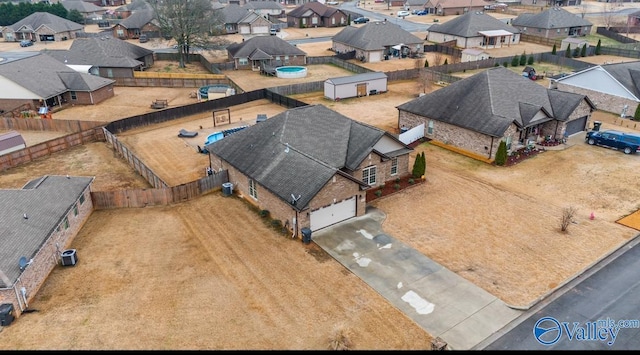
(437, 58)
(567, 218)
(583, 9)
(189, 22)
(607, 14)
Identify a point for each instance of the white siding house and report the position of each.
(355, 85)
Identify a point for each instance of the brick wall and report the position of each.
(48, 256)
(604, 102)
(91, 98)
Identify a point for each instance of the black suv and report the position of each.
(628, 143)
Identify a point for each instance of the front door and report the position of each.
(361, 89)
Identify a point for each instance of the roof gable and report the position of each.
(39, 19)
(271, 45)
(621, 79)
(138, 19)
(103, 52)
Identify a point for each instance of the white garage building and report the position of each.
(355, 85)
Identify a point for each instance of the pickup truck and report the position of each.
(627, 143)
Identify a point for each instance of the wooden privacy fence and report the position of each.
(49, 147)
(38, 124)
(136, 198)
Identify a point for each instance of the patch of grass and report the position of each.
(604, 41)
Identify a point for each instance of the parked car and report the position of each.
(361, 20)
(143, 38)
(628, 143)
(26, 43)
(422, 13)
(403, 13)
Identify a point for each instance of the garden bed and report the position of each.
(393, 186)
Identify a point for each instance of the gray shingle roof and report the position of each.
(555, 17)
(47, 77)
(627, 74)
(356, 78)
(375, 35)
(321, 142)
(271, 45)
(102, 52)
(469, 24)
(263, 5)
(38, 19)
(321, 9)
(233, 13)
(488, 102)
(46, 201)
(138, 19)
(82, 6)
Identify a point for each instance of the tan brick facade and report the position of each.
(48, 257)
(603, 101)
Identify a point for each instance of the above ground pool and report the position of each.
(217, 88)
(291, 72)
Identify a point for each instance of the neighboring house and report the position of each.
(258, 52)
(40, 79)
(553, 23)
(86, 9)
(265, 8)
(10, 142)
(41, 27)
(356, 85)
(499, 105)
(454, 7)
(411, 5)
(474, 30)
(377, 41)
(633, 19)
(309, 166)
(126, 10)
(108, 57)
(473, 54)
(109, 3)
(39, 221)
(315, 14)
(139, 22)
(613, 87)
(246, 22)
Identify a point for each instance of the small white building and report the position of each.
(473, 54)
(355, 85)
(11, 142)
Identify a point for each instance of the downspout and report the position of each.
(295, 225)
(24, 296)
(491, 149)
(18, 296)
(91, 96)
(555, 132)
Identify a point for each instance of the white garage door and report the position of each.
(261, 30)
(333, 214)
(375, 57)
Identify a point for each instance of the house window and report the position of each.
(120, 32)
(369, 175)
(65, 223)
(394, 166)
(508, 142)
(243, 61)
(566, 30)
(81, 199)
(74, 96)
(304, 21)
(430, 127)
(314, 20)
(252, 189)
(524, 29)
(110, 73)
(75, 210)
(277, 58)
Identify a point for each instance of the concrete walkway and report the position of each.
(443, 303)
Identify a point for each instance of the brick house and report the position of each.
(108, 57)
(475, 30)
(554, 22)
(260, 51)
(41, 27)
(139, 22)
(309, 166)
(39, 221)
(39, 79)
(612, 87)
(499, 105)
(315, 14)
(454, 7)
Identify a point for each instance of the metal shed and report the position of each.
(355, 85)
(11, 142)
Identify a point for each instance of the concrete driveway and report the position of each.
(444, 304)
